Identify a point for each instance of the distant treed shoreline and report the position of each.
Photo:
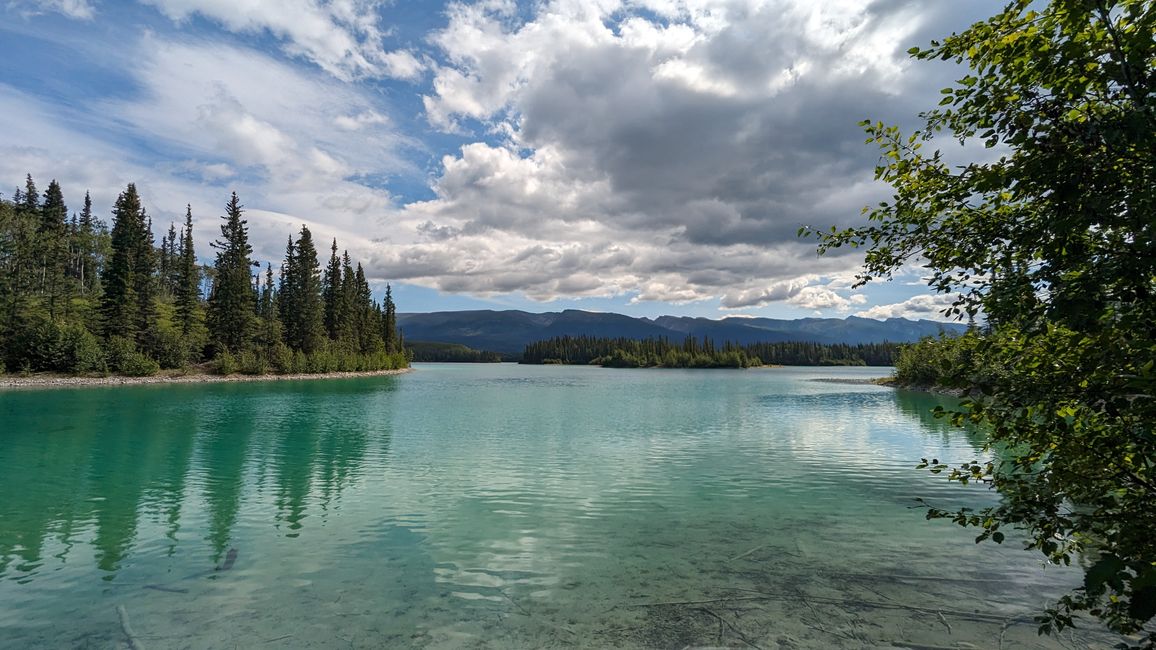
(703, 353)
(80, 297)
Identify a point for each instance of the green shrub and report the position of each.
(79, 351)
(300, 363)
(35, 346)
(138, 364)
(171, 348)
(281, 358)
(117, 351)
(252, 363)
(43, 344)
(225, 364)
(317, 362)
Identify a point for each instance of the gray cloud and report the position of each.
(661, 149)
(697, 142)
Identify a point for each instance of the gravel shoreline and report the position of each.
(66, 381)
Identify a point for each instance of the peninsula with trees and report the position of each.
(81, 297)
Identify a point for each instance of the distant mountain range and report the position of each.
(508, 332)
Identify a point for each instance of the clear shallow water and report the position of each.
(498, 506)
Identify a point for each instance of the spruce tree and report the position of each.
(168, 262)
(389, 323)
(309, 300)
(188, 285)
(10, 264)
(83, 233)
(19, 257)
(52, 233)
(347, 302)
(267, 310)
(29, 201)
(287, 296)
(127, 300)
(87, 248)
(53, 213)
(331, 291)
(231, 315)
(301, 289)
(145, 287)
(367, 333)
(72, 263)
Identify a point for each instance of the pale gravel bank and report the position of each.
(66, 381)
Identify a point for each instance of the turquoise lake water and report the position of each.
(500, 506)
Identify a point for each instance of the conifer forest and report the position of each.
(80, 295)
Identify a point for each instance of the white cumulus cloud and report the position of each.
(926, 306)
(343, 37)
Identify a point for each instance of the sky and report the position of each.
(645, 157)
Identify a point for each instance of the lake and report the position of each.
(500, 506)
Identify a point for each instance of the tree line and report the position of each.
(701, 353)
(80, 296)
(434, 351)
(807, 353)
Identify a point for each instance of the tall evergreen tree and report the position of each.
(367, 334)
(188, 285)
(231, 317)
(287, 294)
(265, 303)
(389, 323)
(127, 301)
(15, 237)
(347, 302)
(53, 212)
(88, 249)
(301, 289)
(164, 264)
(18, 252)
(72, 264)
(52, 234)
(29, 201)
(169, 262)
(270, 334)
(146, 286)
(331, 292)
(86, 218)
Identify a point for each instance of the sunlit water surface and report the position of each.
(499, 506)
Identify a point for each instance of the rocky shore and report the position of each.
(47, 380)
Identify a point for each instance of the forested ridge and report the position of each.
(702, 353)
(82, 296)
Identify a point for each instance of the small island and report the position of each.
(83, 303)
